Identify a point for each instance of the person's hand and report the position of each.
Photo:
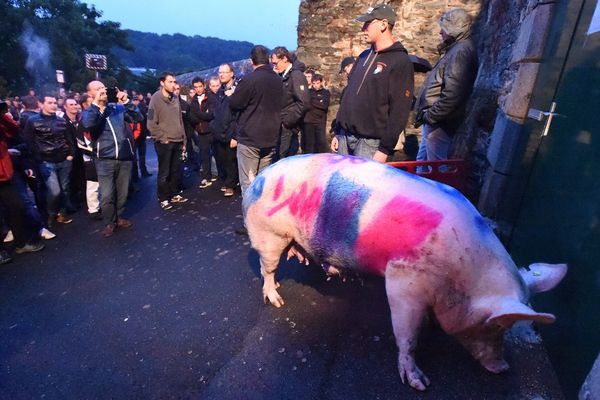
(380, 156)
(69, 158)
(122, 97)
(233, 143)
(29, 173)
(230, 91)
(420, 119)
(334, 144)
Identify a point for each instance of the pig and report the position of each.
(435, 251)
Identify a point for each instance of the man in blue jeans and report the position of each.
(46, 137)
(112, 144)
(376, 103)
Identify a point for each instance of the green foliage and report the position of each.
(179, 53)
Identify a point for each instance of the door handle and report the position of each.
(539, 116)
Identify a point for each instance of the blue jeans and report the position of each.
(56, 176)
(251, 161)
(354, 145)
(113, 179)
(435, 143)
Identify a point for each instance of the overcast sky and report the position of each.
(268, 22)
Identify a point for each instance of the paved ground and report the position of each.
(172, 308)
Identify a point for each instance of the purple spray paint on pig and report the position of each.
(432, 246)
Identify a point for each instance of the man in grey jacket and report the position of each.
(443, 98)
(166, 127)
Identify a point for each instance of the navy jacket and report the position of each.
(110, 132)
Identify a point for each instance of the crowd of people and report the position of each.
(61, 153)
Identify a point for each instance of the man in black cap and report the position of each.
(346, 66)
(376, 103)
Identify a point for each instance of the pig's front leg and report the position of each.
(408, 308)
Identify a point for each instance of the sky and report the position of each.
(267, 22)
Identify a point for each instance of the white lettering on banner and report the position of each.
(595, 24)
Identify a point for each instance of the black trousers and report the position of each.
(169, 168)
(140, 146)
(314, 140)
(205, 141)
(15, 215)
(226, 157)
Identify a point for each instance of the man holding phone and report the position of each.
(112, 145)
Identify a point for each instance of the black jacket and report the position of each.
(201, 114)
(258, 100)
(46, 138)
(109, 131)
(188, 125)
(319, 104)
(377, 101)
(444, 95)
(296, 100)
(224, 123)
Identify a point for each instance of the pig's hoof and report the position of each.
(414, 377)
(274, 298)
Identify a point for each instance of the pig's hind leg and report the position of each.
(270, 249)
(408, 310)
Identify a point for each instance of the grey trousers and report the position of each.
(252, 160)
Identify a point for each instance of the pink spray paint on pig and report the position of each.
(432, 246)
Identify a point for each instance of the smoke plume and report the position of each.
(38, 55)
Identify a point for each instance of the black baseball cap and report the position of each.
(345, 62)
(379, 11)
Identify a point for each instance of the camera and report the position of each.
(111, 94)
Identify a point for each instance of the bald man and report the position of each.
(112, 147)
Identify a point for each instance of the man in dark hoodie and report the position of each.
(296, 99)
(441, 105)
(376, 103)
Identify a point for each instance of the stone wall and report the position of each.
(327, 32)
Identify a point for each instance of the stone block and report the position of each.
(533, 33)
(508, 139)
(516, 103)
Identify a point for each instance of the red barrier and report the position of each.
(451, 172)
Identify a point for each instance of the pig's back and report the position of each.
(357, 213)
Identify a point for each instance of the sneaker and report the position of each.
(46, 234)
(205, 183)
(165, 205)
(29, 248)
(223, 188)
(124, 223)
(9, 237)
(228, 192)
(213, 178)
(178, 199)
(97, 216)
(5, 258)
(108, 230)
(63, 219)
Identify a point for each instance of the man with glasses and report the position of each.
(376, 103)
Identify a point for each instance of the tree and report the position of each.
(54, 34)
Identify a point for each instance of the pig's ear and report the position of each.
(542, 277)
(510, 311)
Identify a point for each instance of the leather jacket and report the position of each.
(46, 136)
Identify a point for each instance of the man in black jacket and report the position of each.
(295, 101)
(314, 140)
(443, 98)
(257, 98)
(376, 103)
(201, 113)
(46, 138)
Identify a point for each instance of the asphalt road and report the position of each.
(172, 309)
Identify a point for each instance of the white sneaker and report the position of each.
(46, 234)
(9, 237)
(205, 183)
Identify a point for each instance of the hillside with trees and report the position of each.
(179, 53)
